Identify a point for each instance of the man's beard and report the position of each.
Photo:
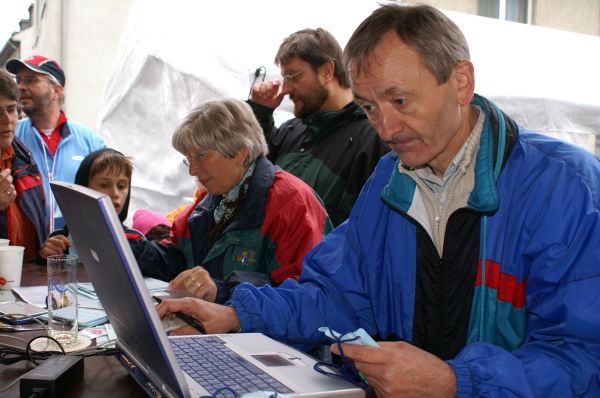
(39, 105)
(311, 103)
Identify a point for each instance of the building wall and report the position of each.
(93, 34)
(83, 36)
(580, 16)
(466, 6)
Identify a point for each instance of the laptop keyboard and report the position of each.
(220, 367)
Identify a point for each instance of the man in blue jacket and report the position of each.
(58, 145)
(472, 252)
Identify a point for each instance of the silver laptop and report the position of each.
(181, 366)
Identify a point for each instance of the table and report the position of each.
(103, 376)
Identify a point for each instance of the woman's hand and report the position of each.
(56, 244)
(197, 282)
(8, 193)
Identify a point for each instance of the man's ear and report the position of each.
(326, 71)
(464, 75)
(58, 90)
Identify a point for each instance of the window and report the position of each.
(508, 10)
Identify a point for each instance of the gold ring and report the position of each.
(198, 285)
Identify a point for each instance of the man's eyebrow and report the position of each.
(396, 90)
(358, 97)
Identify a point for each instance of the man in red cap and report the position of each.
(58, 145)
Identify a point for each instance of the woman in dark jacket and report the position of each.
(253, 221)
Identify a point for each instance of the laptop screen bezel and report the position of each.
(89, 215)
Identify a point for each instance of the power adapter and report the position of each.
(52, 377)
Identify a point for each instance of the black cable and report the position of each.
(28, 347)
(10, 355)
(261, 70)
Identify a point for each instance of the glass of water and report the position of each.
(62, 298)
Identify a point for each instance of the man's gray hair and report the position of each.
(225, 125)
(427, 30)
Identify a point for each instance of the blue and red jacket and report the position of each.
(280, 220)
(513, 302)
(30, 192)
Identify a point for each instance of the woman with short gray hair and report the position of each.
(253, 222)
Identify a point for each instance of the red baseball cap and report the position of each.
(39, 64)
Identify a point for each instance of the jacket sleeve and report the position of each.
(157, 260)
(295, 221)
(264, 115)
(320, 298)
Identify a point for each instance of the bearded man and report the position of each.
(330, 143)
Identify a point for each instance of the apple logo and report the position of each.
(95, 255)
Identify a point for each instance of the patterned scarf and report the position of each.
(225, 209)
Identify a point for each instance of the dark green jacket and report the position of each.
(333, 152)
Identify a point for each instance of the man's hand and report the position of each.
(267, 93)
(8, 193)
(56, 244)
(402, 370)
(215, 318)
(197, 282)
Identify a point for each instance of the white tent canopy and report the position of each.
(177, 53)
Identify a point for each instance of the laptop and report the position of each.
(177, 366)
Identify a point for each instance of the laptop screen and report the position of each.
(104, 250)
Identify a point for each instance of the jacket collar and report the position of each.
(497, 140)
(253, 208)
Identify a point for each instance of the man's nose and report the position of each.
(390, 123)
(286, 88)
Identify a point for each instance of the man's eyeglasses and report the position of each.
(188, 159)
(293, 78)
(31, 80)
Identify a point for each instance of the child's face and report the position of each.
(116, 186)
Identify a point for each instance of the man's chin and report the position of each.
(301, 113)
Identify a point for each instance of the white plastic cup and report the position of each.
(62, 298)
(4, 242)
(11, 265)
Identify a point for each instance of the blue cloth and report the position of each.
(77, 141)
(541, 231)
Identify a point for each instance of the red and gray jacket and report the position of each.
(280, 220)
